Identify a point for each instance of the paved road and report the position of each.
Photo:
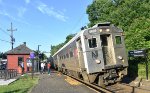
(56, 83)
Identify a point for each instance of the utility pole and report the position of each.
(11, 36)
(38, 58)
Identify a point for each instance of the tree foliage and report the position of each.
(131, 15)
(3, 55)
(55, 48)
(139, 35)
(40, 54)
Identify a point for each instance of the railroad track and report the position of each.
(95, 87)
(115, 88)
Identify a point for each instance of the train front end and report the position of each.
(104, 54)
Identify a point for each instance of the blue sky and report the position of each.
(41, 22)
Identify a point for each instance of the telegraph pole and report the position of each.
(11, 36)
(38, 59)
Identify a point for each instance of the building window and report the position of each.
(92, 43)
(118, 39)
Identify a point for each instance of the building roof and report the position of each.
(21, 49)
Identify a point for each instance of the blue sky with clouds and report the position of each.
(41, 22)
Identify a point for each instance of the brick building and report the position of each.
(18, 55)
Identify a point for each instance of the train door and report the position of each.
(80, 52)
(107, 47)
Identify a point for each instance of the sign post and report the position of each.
(140, 53)
(146, 62)
(32, 56)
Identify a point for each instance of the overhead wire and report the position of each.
(4, 31)
(6, 34)
(75, 26)
(5, 41)
(102, 5)
(78, 21)
(82, 16)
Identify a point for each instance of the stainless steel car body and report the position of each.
(96, 51)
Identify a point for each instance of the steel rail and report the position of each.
(95, 87)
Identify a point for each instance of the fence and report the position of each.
(8, 74)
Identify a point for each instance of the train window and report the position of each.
(92, 43)
(79, 45)
(118, 39)
(71, 54)
(64, 57)
(67, 55)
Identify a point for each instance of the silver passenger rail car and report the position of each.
(96, 55)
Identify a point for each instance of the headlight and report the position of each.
(123, 60)
(100, 30)
(107, 30)
(120, 57)
(98, 61)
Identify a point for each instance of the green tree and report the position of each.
(131, 15)
(55, 48)
(42, 56)
(69, 37)
(3, 55)
(139, 35)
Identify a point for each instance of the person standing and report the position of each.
(49, 66)
(22, 67)
(42, 67)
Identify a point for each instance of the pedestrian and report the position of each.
(42, 68)
(22, 68)
(49, 66)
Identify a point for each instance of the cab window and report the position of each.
(118, 39)
(92, 43)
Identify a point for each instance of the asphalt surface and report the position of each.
(57, 83)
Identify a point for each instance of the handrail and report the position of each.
(8, 74)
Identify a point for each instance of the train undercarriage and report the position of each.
(103, 78)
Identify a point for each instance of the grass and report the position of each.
(142, 71)
(22, 85)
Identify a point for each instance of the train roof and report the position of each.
(74, 38)
(82, 31)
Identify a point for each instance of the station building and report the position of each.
(18, 55)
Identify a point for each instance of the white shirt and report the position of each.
(42, 65)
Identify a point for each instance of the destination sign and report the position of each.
(92, 31)
(137, 53)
